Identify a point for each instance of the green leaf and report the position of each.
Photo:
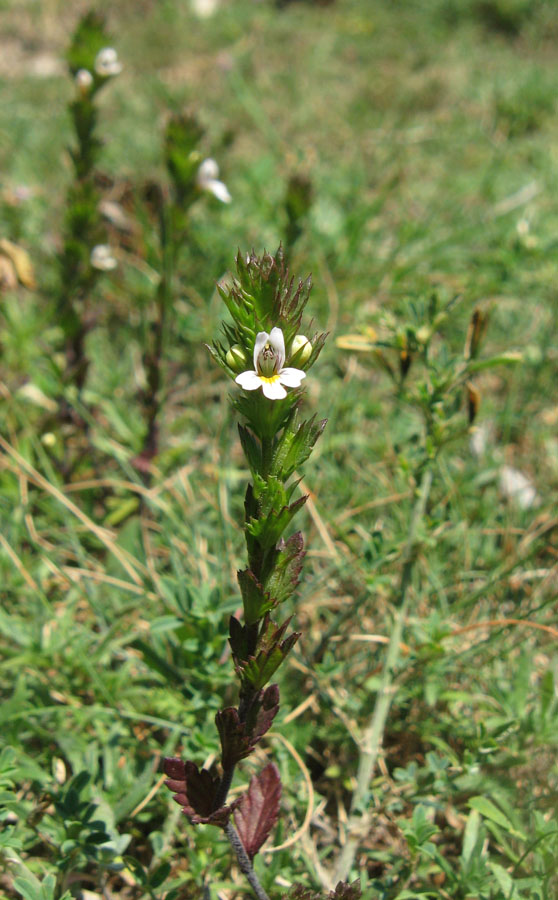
(504, 359)
(490, 811)
(157, 877)
(30, 890)
(256, 601)
(471, 836)
(89, 37)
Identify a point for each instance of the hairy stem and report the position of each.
(224, 788)
(267, 453)
(244, 862)
(373, 736)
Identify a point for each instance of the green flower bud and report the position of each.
(424, 333)
(236, 358)
(301, 348)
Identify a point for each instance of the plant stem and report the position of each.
(244, 862)
(154, 354)
(373, 736)
(267, 453)
(224, 787)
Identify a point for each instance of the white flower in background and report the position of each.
(107, 63)
(269, 374)
(480, 437)
(101, 258)
(207, 179)
(204, 9)
(84, 80)
(516, 486)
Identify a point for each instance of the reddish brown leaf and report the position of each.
(258, 809)
(343, 891)
(238, 738)
(195, 791)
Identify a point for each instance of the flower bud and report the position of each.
(236, 358)
(301, 348)
(84, 81)
(473, 401)
(475, 333)
(405, 360)
(424, 333)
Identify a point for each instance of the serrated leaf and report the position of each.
(255, 600)
(295, 444)
(258, 809)
(343, 891)
(268, 530)
(272, 650)
(346, 891)
(195, 790)
(251, 448)
(287, 565)
(239, 737)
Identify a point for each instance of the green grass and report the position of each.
(429, 132)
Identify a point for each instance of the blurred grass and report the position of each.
(429, 132)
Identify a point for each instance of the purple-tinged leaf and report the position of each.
(255, 600)
(272, 649)
(284, 576)
(243, 639)
(238, 738)
(258, 809)
(343, 891)
(195, 790)
(346, 891)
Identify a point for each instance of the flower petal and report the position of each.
(208, 171)
(261, 341)
(219, 190)
(291, 377)
(250, 381)
(273, 390)
(277, 343)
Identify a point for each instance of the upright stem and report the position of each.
(224, 787)
(244, 862)
(373, 736)
(267, 453)
(154, 355)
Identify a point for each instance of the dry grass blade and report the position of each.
(100, 533)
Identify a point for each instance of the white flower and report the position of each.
(107, 63)
(101, 258)
(480, 437)
(83, 79)
(516, 486)
(208, 180)
(204, 8)
(269, 374)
